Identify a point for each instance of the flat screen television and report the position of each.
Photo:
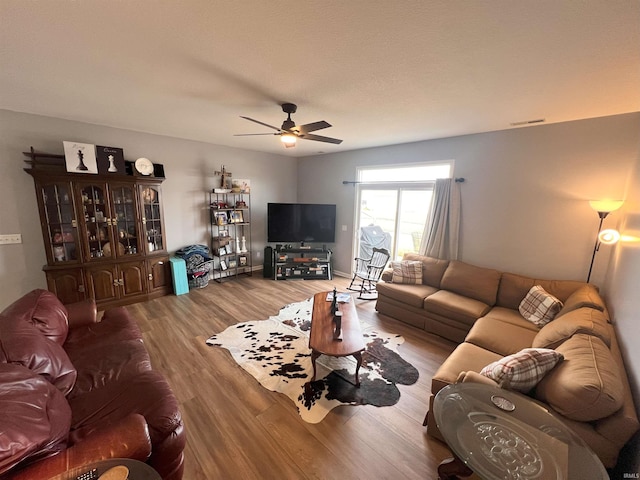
(301, 222)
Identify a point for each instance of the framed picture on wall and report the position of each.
(80, 157)
(236, 216)
(221, 218)
(110, 160)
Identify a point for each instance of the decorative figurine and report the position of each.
(244, 245)
(81, 166)
(112, 164)
(224, 175)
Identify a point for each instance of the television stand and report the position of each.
(302, 263)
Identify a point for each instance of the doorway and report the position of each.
(392, 206)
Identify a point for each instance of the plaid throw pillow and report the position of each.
(539, 307)
(407, 271)
(523, 370)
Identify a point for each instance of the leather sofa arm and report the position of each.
(129, 438)
(82, 313)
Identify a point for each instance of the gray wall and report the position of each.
(189, 168)
(525, 199)
(622, 287)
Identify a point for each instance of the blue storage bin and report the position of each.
(179, 275)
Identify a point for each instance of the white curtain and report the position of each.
(440, 237)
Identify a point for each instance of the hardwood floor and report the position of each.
(238, 429)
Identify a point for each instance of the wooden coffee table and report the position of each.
(321, 338)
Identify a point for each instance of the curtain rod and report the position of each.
(351, 182)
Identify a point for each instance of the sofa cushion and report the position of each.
(499, 336)
(470, 281)
(539, 306)
(587, 385)
(456, 307)
(513, 288)
(561, 289)
(523, 370)
(584, 320)
(22, 343)
(585, 296)
(407, 271)
(413, 295)
(34, 415)
(116, 325)
(44, 311)
(513, 317)
(102, 362)
(432, 268)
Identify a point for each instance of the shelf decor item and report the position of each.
(241, 185)
(80, 157)
(110, 160)
(221, 218)
(144, 166)
(236, 216)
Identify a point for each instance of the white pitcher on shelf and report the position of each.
(244, 245)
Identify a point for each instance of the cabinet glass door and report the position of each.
(125, 219)
(57, 201)
(152, 218)
(97, 221)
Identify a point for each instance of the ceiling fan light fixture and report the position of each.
(288, 139)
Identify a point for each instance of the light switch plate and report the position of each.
(11, 238)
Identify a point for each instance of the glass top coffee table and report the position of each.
(501, 434)
(136, 470)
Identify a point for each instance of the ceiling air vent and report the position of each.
(528, 122)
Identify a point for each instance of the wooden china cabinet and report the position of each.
(103, 234)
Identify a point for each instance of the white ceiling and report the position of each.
(380, 71)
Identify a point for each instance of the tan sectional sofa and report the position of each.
(478, 308)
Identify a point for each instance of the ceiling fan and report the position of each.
(290, 132)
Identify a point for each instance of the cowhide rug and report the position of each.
(276, 352)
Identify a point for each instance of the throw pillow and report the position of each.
(523, 370)
(407, 271)
(539, 307)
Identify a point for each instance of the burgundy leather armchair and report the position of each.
(74, 390)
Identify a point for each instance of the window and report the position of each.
(393, 203)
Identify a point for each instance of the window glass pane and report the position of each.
(414, 205)
(406, 173)
(377, 220)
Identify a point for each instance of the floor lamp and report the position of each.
(603, 208)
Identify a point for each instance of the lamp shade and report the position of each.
(609, 236)
(605, 205)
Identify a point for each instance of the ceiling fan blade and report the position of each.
(312, 127)
(320, 138)
(261, 123)
(252, 134)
